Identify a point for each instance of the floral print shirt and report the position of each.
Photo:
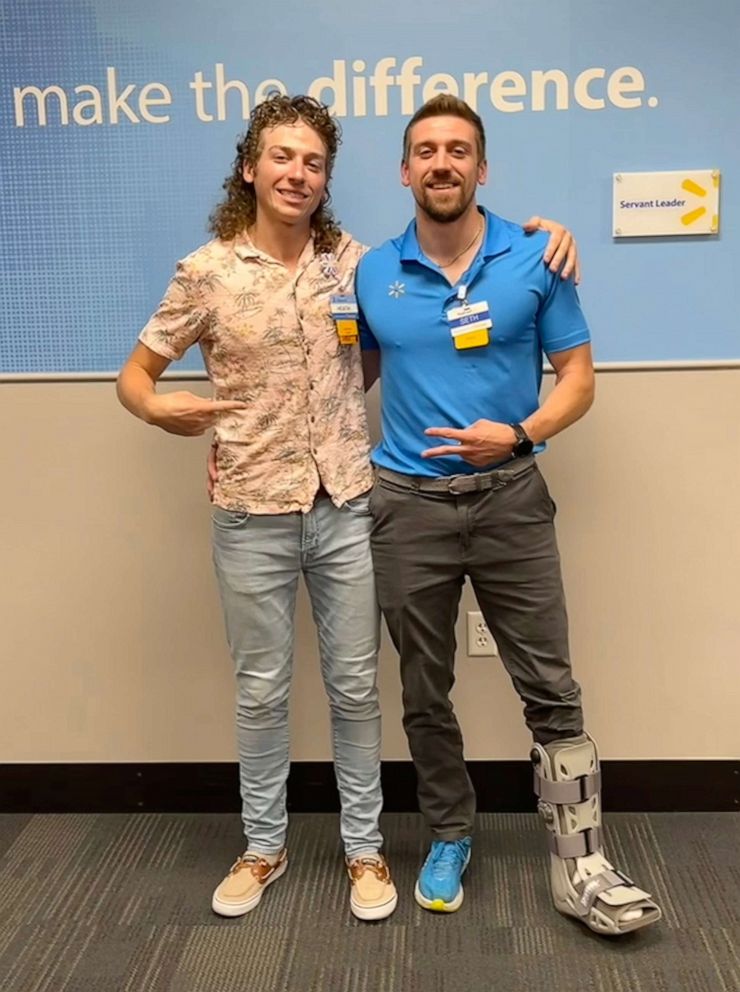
(268, 338)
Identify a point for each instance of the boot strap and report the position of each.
(576, 790)
(609, 879)
(578, 845)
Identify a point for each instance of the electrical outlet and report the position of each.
(480, 641)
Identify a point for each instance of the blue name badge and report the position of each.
(344, 306)
(469, 325)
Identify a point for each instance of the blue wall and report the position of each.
(95, 214)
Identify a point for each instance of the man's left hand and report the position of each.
(561, 249)
(483, 443)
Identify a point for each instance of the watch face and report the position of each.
(524, 447)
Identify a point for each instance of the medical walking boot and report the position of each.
(567, 781)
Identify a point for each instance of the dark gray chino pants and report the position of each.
(428, 535)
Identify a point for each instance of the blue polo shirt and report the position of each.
(426, 382)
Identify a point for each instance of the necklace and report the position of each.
(467, 247)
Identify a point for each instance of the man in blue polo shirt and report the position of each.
(458, 312)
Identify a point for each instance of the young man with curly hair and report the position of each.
(270, 302)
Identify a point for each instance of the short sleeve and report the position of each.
(179, 320)
(560, 321)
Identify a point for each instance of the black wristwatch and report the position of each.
(524, 445)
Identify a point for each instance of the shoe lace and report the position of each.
(376, 865)
(251, 861)
(448, 856)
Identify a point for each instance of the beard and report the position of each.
(449, 209)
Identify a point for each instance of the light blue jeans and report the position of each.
(258, 560)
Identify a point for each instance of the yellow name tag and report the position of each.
(344, 313)
(347, 331)
(469, 325)
(471, 339)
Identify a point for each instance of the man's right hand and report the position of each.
(185, 413)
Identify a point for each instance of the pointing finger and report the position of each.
(227, 405)
(450, 432)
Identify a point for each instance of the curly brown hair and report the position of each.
(238, 210)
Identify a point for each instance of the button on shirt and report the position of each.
(268, 339)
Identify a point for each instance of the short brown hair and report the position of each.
(238, 210)
(446, 105)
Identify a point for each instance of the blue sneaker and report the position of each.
(439, 886)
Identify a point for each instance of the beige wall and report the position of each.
(110, 631)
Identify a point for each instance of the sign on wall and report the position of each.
(664, 203)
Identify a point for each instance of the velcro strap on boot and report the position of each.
(576, 845)
(609, 879)
(576, 790)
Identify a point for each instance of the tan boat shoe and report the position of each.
(373, 895)
(248, 878)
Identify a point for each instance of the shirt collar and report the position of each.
(244, 249)
(496, 239)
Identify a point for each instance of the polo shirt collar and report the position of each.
(496, 241)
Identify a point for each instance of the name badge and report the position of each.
(470, 324)
(345, 313)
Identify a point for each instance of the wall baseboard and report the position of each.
(209, 787)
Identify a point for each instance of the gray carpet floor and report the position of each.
(121, 903)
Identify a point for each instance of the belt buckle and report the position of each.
(464, 486)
